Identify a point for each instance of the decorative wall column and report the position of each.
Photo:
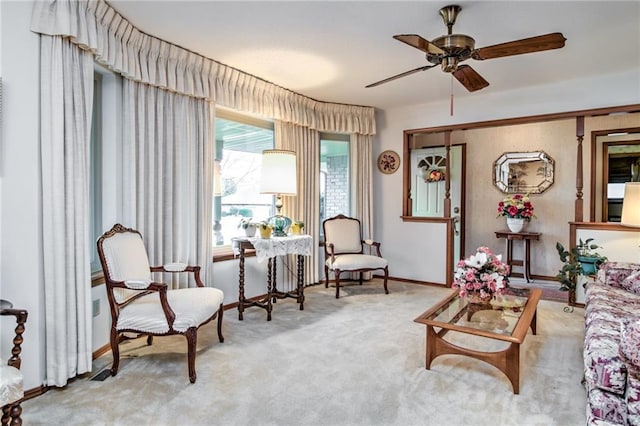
(579, 204)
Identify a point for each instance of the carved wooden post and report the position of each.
(579, 204)
(447, 174)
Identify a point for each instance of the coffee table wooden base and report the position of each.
(454, 314)
(507, 360)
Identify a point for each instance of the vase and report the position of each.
(515, 224)
(477, 298)
(250, 230)
(265, 232)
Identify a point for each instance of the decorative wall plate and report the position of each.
(388, 162)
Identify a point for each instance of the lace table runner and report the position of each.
(267, 248)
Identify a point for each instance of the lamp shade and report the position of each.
(278, 172)
(631, 204)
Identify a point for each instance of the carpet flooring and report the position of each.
(357, 360)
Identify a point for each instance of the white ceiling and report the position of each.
(330, 51)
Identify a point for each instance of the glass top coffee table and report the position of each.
(508, 318)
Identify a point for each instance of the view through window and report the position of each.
(335, 192)
(239, 145)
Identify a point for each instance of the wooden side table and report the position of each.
(526, 237)
(299, 245)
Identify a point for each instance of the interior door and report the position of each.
(428, 188)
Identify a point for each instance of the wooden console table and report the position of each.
(268, 249)
(526, 237)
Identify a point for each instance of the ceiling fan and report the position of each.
(450, 50)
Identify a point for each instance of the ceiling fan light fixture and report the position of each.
(449, 64)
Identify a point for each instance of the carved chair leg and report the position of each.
(15, 412)
(386, 276)
(115, 350)
(11, 415)
(149, 340)
(6, 416)
(192, 339)
(360, 278)
(220, 314)
(326, 276)
(336, 272)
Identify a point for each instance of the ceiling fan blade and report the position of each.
(470, 78)
(420, 43)
(406, 73)
(519, 47)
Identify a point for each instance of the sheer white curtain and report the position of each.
(66, 88)
(167, 152)
(305, 206)
(361, 153)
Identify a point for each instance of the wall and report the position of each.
(407, 245)
(20, 220)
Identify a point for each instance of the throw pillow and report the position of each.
(630, 341)
(631, 283)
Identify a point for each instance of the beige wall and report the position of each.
(554, 208)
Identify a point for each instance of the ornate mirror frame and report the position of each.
(523, 172)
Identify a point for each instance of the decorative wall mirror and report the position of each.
(523, 172)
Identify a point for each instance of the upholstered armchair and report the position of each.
(344, 251)
(11, 380)
(145, 307)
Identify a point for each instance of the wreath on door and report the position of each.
(433, 168)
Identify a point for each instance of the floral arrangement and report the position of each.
(517, 206)
(482, 273)
(434, 175)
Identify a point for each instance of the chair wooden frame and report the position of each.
(117, 336)
(330, 252)
(12, 412)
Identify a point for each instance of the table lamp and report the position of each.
(631, 205)
(279, 178)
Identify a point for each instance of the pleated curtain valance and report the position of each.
(116, 43)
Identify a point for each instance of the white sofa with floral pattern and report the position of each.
(612, 345)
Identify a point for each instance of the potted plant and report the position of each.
(296, 228)
(583, 259)
(248, 226)
(265, 229)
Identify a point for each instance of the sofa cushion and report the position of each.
(631, 283)
(605, 406)
(613, 273)
(604, 368)
(630, 340)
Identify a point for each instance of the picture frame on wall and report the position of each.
(388, 162)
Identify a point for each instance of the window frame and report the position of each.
(225, 252)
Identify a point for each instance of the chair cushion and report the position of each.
(192, 307)
(126, 257)
(344, 234)
(11, 388)
(350, 262)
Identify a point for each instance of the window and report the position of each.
(335, 187)
(240, 141)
